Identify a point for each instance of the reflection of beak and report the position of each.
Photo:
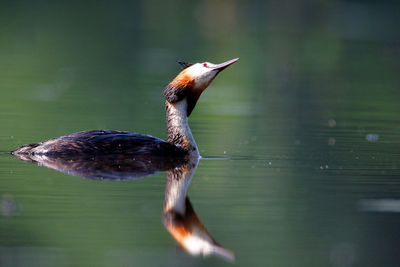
(225, 64)
(224, 253)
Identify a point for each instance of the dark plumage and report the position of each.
(78, 154)
(91, 143)
(175, 92)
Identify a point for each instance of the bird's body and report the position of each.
(181, 96)
(91, 143)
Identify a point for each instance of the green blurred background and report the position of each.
(308, 120)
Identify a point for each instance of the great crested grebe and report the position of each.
(181, 96)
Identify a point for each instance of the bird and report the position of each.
(181, 96)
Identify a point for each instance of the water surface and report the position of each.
(300, 138)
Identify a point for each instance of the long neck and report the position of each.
(179, 132)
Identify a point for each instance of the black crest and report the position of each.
(185, 64)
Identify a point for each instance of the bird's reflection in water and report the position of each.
(179, 217)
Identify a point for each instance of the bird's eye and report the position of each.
(205, 64)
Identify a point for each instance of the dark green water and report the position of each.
(303, 132)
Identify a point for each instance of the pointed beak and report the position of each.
(225, 64)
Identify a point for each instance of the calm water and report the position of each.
(300, 138)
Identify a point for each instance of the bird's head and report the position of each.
(192, 81)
